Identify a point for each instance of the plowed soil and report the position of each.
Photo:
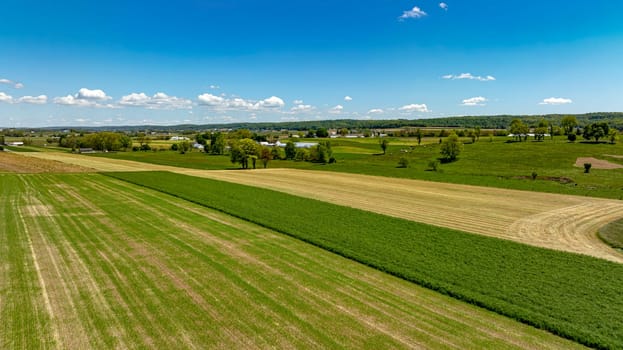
(15, 163)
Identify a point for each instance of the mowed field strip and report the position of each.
(554, 221)
(87, 261)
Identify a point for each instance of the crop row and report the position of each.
(574, 296)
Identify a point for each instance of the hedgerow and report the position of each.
(571, 295)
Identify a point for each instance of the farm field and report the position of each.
(572, 295)
(553, 221)
(87, 261)
(488, 162)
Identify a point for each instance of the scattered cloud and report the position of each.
(415, 12)
(237, 103)
(443, 6)
(336, 110)
(158, 101)
(214, 87)
(271, 102)
(348, 98)
(414, 108)
(301, 108)
(11, 82)
(35, 100)
(475, 101)
(556, 101)
(85, 98)
(92, 95)
(5, 98)
(375, 111)
(468, 76)
(208, 99)
(297, 102)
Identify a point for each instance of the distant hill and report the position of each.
(614, 119)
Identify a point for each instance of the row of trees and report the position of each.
(247, 152)
(570, 127)
(100, 141)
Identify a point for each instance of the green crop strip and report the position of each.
(574, 296)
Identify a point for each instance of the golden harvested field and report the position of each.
(560, 222)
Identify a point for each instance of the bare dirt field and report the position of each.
(15, 163)
(597, 163)
(560, 222)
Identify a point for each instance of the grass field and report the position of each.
(572, 295)
(87, 261)
(494, 163)
(612, 234)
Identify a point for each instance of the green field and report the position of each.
(564, 293)
(613, 234)
(87, 261)
(494, 163)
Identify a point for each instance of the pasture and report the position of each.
(87, 261)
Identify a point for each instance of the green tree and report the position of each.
(612, 136)
(451, 147)
(418, 135)
(541, 130)
(266, 156)
(217, 143)
(519, 129)
(596, 131)
(322, 132)
(184, 147)
(568, 123)
(384, 143)
(290, 150)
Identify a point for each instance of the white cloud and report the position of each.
(415, 12)
(336, 110)
(93, 95)
(214, 87)
(468, 76)
(210, 100)
(158, 101)
(348, 98)
(302, 108)
(375, 111)
(238, 103)
(5, 98)
(556, 101)
(474, 101)
(85, 98)
(11, 82)
(271, 102)
(35, 100)
(443, 6)
(297, 102)
(414, 108)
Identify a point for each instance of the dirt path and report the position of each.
(560, 222)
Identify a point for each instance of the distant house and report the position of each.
(15, 143)
(86, 150)
(305, 144)
(198, 146)
(179, 138)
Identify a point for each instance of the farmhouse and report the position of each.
(15, 143)
(179, 138)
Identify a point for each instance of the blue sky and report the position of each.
(202, 61)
